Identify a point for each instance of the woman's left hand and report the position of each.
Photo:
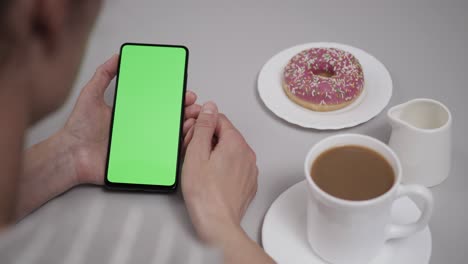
(86, 131)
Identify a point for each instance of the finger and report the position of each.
(204, 129)
(187, 125)
(188, 137)
(228, 136)
(224, 125)
(103, 76)
(190, 98)
(192, 111)
(253, 189)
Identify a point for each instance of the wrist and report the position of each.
(64, 147)
(48, 171)
(228, 234)
(87, 159)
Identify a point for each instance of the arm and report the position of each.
(219, 179)
(48, 171)
(73, 155)
(237, 247)
(77, 153)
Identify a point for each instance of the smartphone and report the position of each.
(145, 141)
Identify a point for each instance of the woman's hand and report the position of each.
(87, 130)
(219, 180)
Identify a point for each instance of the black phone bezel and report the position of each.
(148, 187)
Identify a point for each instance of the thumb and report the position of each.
(103, 76)
(204, 129)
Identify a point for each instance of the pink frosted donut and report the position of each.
(323, 79)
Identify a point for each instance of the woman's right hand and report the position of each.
(219, 180)
(219, 176)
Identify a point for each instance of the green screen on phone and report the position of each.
(144, 145)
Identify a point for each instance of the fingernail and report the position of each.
(208, 108)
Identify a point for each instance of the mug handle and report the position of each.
(404, 230)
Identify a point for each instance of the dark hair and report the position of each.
(4, 30)
(4, 4)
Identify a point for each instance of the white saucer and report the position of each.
(376, 95)
(284, 232)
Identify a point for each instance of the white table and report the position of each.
(422, 45)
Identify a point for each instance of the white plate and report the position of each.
(284, 232)
(376, 94)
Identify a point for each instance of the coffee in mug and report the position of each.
(352, 173)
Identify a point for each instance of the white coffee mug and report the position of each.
(352, 232)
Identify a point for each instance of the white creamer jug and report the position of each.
(421, 137)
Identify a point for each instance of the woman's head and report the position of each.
(41, 45)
